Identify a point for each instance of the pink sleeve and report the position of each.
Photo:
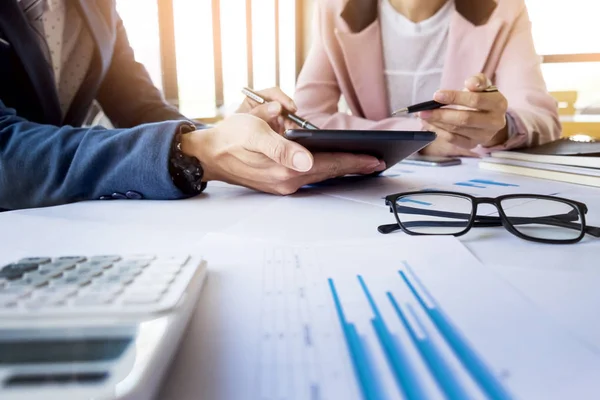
(518, 76)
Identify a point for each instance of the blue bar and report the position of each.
(468, 357)
(406, 377)
(360, 360)
(433, 357)
(423, 203)
(490, 182)
(468, 185)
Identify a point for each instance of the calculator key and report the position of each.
(96, 265)
(141, 257)
(16, 270)
(14, 291)
(37, 281)
(114, 280)
(63, 290)
(73, 280)
(92, 299)
(167, 268)
(75, 259)
(17, 283)
(45, 273)
(79, 272)
(59, 265)
(112, 290)
(127, 264)
(35, 260)
(108, 258)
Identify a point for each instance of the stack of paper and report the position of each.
(562, 160)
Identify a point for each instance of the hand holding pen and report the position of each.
(479, 118)
(286, 113)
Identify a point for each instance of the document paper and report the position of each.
(381, 319)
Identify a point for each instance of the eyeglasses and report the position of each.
(538, 218)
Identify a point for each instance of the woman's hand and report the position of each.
(478, 119)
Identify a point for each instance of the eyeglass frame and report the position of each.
(491, 221)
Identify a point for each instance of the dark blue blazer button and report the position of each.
(133, 195)
(105, 197)
(119, 196)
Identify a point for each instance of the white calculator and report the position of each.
(93, 327)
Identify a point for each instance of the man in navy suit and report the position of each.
(57, 56)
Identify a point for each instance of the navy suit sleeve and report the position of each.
(43, 165)
(127, 94)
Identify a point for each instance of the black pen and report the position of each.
(304, 124)
(432, 105)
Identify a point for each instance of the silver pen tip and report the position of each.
(400, 111)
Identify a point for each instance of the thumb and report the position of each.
(281, 150)
(477, 83)
(268, 111)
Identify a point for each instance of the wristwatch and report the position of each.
(186, 171)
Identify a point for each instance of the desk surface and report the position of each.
(309, 216)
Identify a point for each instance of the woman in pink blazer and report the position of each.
(486, 42)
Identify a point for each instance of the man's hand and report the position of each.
(244, 150)
(479, 120)
(272, 113)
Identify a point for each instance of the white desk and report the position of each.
(143, 226)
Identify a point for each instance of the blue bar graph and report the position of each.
(476, 367)
(404, 369)
(431, 354)
(420, 202)
(467, 184)
(361, 361)
(405, 374)
(493, 183)
(484, 183)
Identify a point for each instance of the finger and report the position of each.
(452, 138)
(492, 101)
(477, 83)
(476, 134)
(275, 94)
(459, 118)
(282, 151)
(332, 165)
(444, 149)
(267, 112)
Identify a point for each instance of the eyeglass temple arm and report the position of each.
(560, 220)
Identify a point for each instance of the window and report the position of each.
(219, 47)
(566, 33)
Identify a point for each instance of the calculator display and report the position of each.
(57, 351)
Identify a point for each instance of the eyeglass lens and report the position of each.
(543, 218)
(434, 214)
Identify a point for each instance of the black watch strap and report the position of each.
(186, 171)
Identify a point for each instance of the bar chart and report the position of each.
(405, 374)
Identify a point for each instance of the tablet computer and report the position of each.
(389, 146)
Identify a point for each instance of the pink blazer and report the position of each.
(346, 59)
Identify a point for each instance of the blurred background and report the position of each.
(200, 53)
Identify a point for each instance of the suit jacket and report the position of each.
(45, 158)
(484, 36)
